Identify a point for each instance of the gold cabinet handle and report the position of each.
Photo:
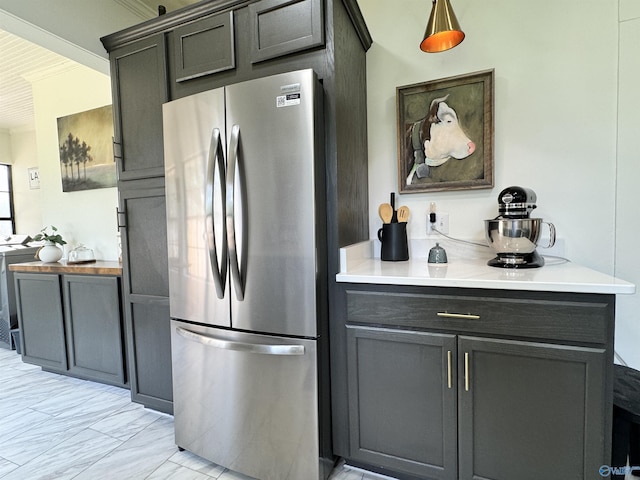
(466, 371)
(469, 316)
(449, 384)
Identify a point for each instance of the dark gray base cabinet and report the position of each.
(438, 388)
(72, 324)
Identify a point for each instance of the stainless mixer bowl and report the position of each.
(516, 235)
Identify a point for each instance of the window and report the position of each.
(7, 222)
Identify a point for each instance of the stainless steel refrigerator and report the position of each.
(245, 185)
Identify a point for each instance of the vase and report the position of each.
(49, 253)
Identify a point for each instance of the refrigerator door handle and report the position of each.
(215, 157)
(223, 344)
(231, 219)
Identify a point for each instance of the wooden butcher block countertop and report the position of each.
(95, 268)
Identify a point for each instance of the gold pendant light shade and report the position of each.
(443, 30)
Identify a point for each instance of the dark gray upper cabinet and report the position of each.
(524, 379)
(139, 84)
(145, 75)
(204, 47)
(281, 27)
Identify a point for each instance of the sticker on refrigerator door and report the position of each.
(288, 100)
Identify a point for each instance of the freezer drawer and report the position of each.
(247, 402)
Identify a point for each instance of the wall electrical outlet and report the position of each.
(441, 225)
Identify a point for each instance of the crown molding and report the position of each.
(52, 42)
(137, 8)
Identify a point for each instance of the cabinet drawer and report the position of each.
(204, 47)
(529, 315)
(280, 27)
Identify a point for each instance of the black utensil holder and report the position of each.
(393, 237)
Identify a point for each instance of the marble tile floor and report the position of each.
(54, 427)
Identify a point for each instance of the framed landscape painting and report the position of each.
(445, 134)
(85, 143)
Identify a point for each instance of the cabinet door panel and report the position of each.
(146, 290)
(531, 410)
(280, 27)
(145, 241)
(139, 88)
(94, 327)
(402, 406)
(41, 322)
(204, 47)
(149, 333)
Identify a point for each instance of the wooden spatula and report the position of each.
(403, 214)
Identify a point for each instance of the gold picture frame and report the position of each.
(445, 134)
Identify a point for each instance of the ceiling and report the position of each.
(22, 59)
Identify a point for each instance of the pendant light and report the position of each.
(443, 30)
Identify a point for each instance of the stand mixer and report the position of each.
(513, 235)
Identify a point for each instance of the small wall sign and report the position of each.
(34, 178)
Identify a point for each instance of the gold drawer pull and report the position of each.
(469, 316)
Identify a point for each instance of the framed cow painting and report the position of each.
(445, 134)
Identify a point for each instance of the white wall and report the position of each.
(556, 87)
(26, 201)
(555, 111)
(86, 217)
(627, 228)
(5, 146)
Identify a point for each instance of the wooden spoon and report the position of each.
(403, 214)
(386, 212)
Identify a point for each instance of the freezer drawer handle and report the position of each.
(240, 346)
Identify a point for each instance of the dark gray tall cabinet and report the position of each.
(205, 46)
(139, 84)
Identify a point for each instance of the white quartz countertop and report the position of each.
(358, 264)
